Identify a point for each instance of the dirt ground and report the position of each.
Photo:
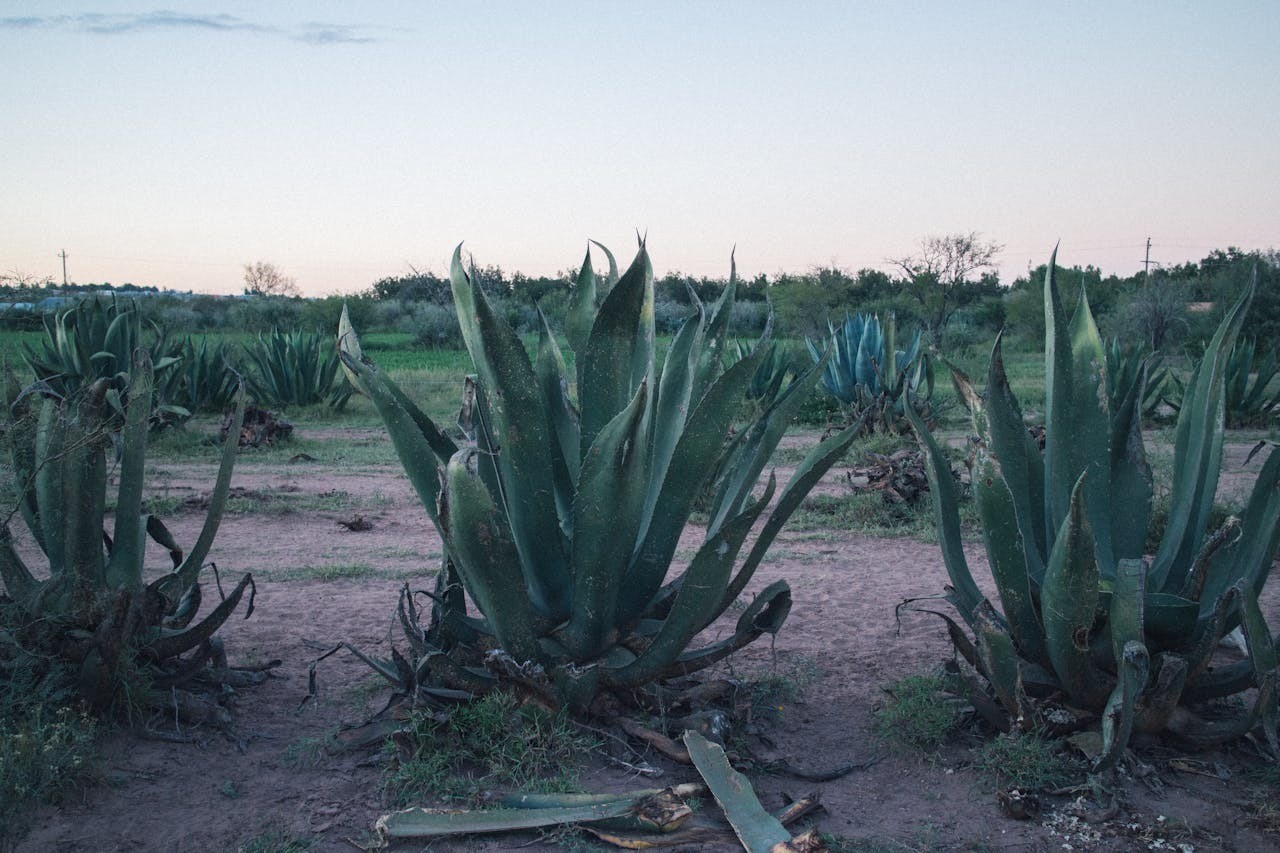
(267, 779)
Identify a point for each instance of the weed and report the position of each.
(306, 753)
(45, 754)
(276, 840)
(1029, 761)
(230, 790)
(919, 711)
(785, 683)
(493, 741)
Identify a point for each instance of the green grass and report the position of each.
(333, 572)
(919, 711)
(1027, 761)
(491, 742)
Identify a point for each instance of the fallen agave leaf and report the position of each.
(701, 834)
(759, 831)
(651, 811)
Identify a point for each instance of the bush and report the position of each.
(432, 325)
(45, 754)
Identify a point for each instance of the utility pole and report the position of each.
(63, 255)
(1146, 266)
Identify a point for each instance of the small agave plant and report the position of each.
(94, 612)
(1124, 364)
(296, 369)
(96, 339)
(868, 373)
(1252, 394)
(561, 513)
(1085, 616)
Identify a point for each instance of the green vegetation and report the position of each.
(1084, 613)
(493, 742)
(46, 753)
(296, 369)
(565, 583)
(1027, 761)
(93, 622)
(919, 711)
(871, 377)
(96, 339)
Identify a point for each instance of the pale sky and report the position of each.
(172, 144)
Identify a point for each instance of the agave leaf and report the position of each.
(582, 312)
(759, 831)
(611, 277)
(84, 483)
(484, 550)
(125, 566)
(614, 347)
(1250, 556)
(167, 644)
(755, 446)
(606, 521)
(18, 581)
(49, 445)
(1120, 713)
(190, 568)
(1262, 652)
(764, 615)
(1019, 464)
(421, 823)
(1131, 484)
(1069, 601)
(675, 389)
(1197, 453)
(946, 513)
(700, 590)
(694, 458)
(999, 660)
(1008, 555)
(566, 460)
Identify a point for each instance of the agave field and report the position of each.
(597, 588)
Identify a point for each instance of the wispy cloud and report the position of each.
(311, 32)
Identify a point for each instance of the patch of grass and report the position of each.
(45, 755)
(493, 741)
(919, 711)
(306, 753)
(1028, 761)
(276, 840)
(230, 790)
(867, 514)
(332, 572)
(162, 505)
(785, 683)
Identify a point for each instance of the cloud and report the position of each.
(94, 23)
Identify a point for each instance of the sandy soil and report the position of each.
(222, 790)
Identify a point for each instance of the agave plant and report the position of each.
(94, 611)
(1123, 368)
(296, 369)
(1085, 616)
(96, 339)
(869, 374)
(560, 517)
(203, 380)
(1252, 393)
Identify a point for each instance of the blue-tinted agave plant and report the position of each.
(561, 512)
(868, 374)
